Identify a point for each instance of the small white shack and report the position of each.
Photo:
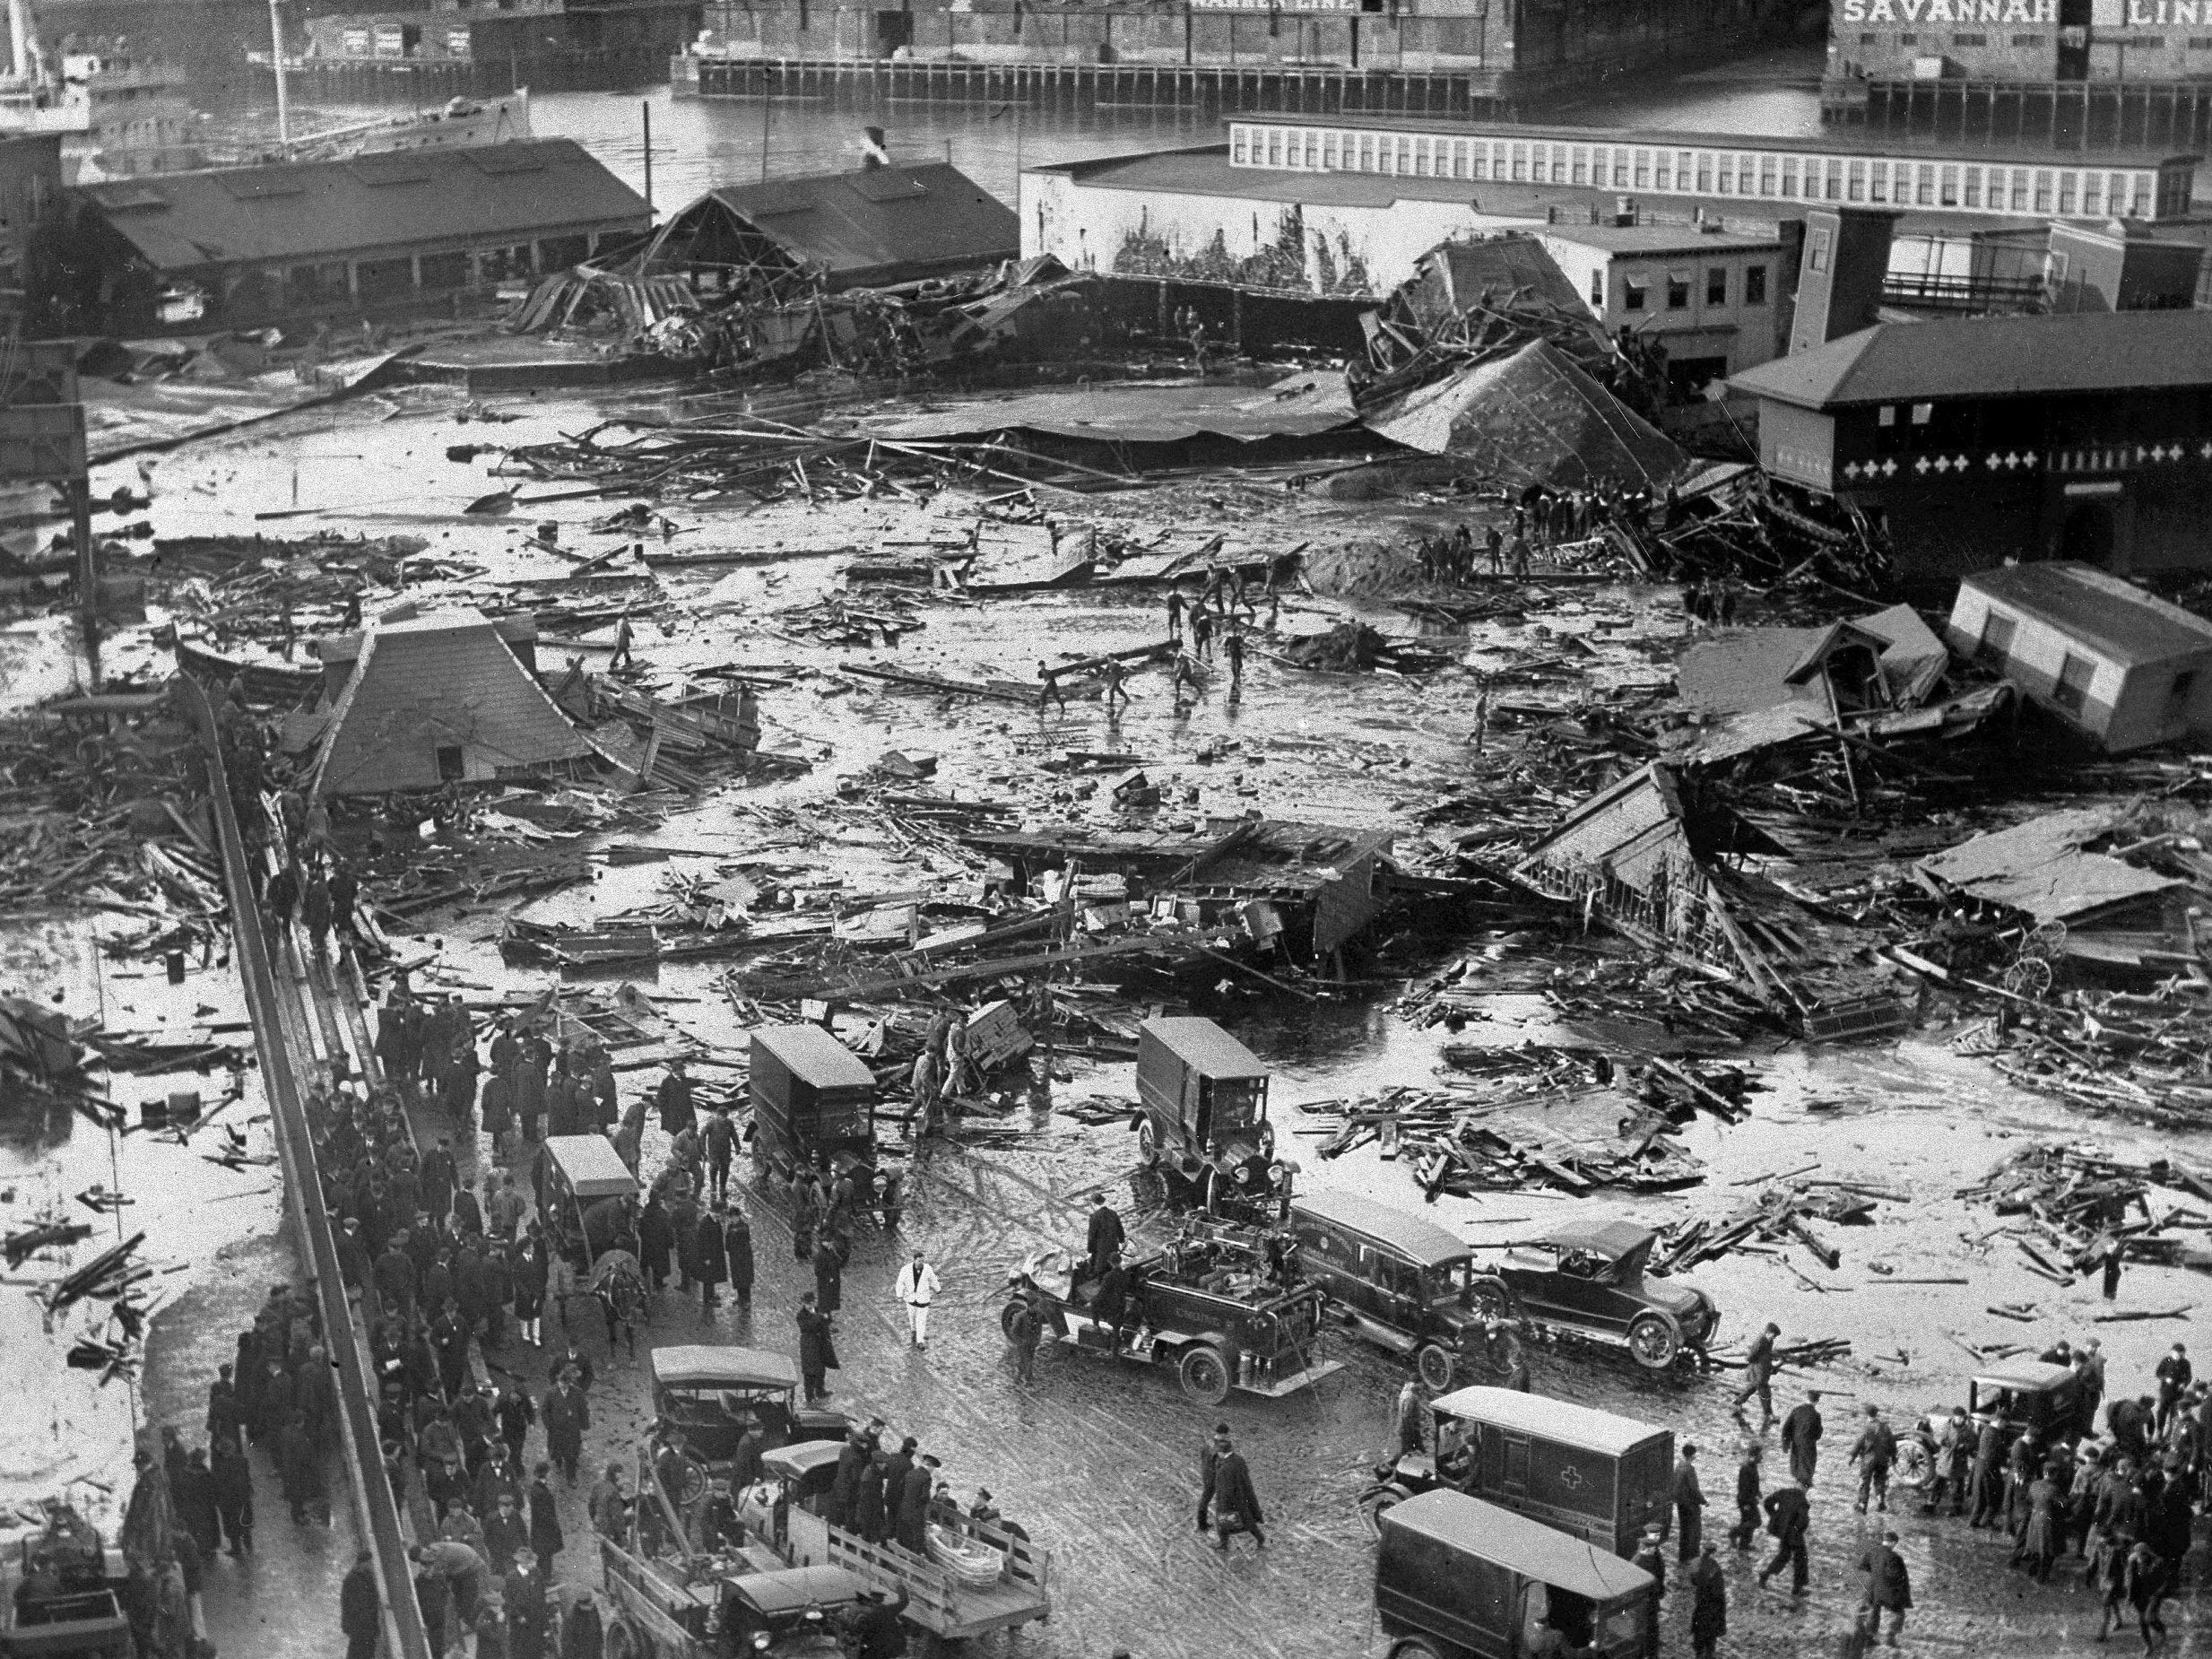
(2112, 661)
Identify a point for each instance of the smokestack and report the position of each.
(19, 37)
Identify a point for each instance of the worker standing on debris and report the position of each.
(927, 1077)
(1495, 538)
(1174, 614)
(623, 639)
(314, 911)
(1116, 690)
(345, 892)
(281, 894)
(1187, 674)
(1233, 647)
(1201, 631)
(1049, 691)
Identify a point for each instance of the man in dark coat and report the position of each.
(225, 1420)
(871, 1503)
(505, 1535)
(566, 1417)
(845, 1485)
(737, 1255)
(1708, 1605)
(878, 1632)
(194, 1495)
(829, 1276)
(360, 1613)
(1689, 1505)
(678, 1112)
(1800, 1438)
(1208, 1458)
(299, 1461)
(655, 1241)
(585, 1637)
(1105, 1236)
(1989, 1471)
(816, 1355)
(527, 1607)
(1788, 1515)
(234, 1496)
(1889, 1588)
(709, 1263)
(1759, 1373)
(1748, 1496)
(1874, 1451)
(719, 1137)
(545, 1535)
(915, 1488)
(1235, 1502)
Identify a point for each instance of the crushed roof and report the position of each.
(2039, 866)
(441, 680)
(297, 210)
(1960, 358)
(2112, 617)
(877, 224)
(1533, 417)
(1300, 405)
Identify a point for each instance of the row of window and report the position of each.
(1637, 288)
(2132, 193)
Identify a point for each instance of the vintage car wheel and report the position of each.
(1373, 1502)
(1148, 1142)
(1205, 1374)
(1654, 1341)
(691, 1483)
(1491, 1300)
(1006, 1318)
(1414, 1649)
(1915, 1462)
(1435, 1366)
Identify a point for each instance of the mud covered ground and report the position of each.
(1099, 1463)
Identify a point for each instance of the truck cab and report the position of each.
(811, 1098)
(1459, 1578)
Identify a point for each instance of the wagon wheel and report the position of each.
(2029, 977)
(1915, 1462)
(2046, 942)
(690, 1483)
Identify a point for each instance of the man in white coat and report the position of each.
(917, 1288)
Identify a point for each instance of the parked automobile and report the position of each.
(1459, 1578)
(1403, 1283)
(1214, 1306)
(64, 1599)
(1589, 1278)
(2024, 1393)
(704, 1396)
(1599, 1477)
(727, 1609)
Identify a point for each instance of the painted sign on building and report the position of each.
(2150, 14)
(1958, 11)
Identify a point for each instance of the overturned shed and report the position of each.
(1532, 418)
(2043, 869)
(874, 228)
(1646, 856)
(440, 699)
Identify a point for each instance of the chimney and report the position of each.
(1624, 210)
(1551, 215)
(1839, 280)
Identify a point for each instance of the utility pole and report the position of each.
(646, 108)
(276, 62)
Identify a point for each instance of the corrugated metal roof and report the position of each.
(2112, 617)
(1993, 357)
(1300, 405)
(2038, 867)
(302, 210)
(432, 683)
(883, 225)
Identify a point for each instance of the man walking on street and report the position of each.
(1874, 1451)
(818, 1357)
(721, 1138)
(1889, 1588)
(1800, 1438)
(917, 1289)
(1025, 1328)
(1747, 1497)
(1759, 1375)
(1708, 1605)
(1788, 1515)
(1689, 1505)
(1208, 1458)
(1236, 1504)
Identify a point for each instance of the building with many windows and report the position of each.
(1854, 169)
(1714, 299)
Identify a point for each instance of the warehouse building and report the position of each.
(375, 236)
